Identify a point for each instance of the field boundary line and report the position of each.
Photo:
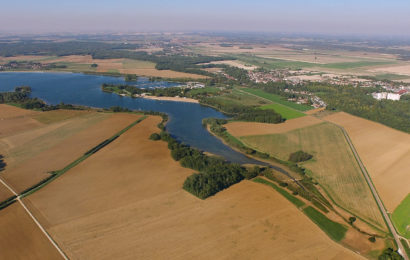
(56, 175)
(376, 196)
(60, 251)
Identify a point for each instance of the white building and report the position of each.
(385, 95)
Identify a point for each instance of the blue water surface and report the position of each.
(185, 119)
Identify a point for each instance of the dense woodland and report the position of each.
(359, 102)
(214, 175)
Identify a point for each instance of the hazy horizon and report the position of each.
(295, 16)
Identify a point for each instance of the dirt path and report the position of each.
(376, 196)
(35, 221)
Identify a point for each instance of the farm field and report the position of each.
(401, 218)
(20, 238)
(62, 137)
(333, 165)
(4, 192)
(284, 111)
(82, 63)
(384, 151)
(253, 128)
(277, 99)
(127, 201)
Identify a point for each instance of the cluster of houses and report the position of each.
(316, 101)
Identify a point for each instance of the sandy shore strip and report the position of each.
(178, 99)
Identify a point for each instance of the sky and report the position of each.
(370, 17)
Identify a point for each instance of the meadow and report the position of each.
(284, 111)
(278, 99)
(401, 217)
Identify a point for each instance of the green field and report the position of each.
(401, 217)
(277, 99)
(283, 111)
(333, 165)
(333, 229)
(297, 202)
(272, 63)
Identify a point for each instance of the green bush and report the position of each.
(299, 156)
(155, 137)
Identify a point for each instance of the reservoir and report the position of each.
(185, 119)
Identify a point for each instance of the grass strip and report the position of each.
(334, 230)
(8, 202)
(406, 246)
(297, 202)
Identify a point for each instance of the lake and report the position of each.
(185, 119)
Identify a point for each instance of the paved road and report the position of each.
(376, 196)
(35, 220)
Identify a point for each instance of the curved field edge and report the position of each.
(334, 230)
(333, 165)
(401, 217)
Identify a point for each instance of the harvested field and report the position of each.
(314, 111)
(235, 63)
(127, 202)
(250, 128)
(4, 192)
(20, 238)
(384, 151)
(59, 115)
(14, 120)
(125, 66)
(333, 165)
(32, 154)
(401, 70)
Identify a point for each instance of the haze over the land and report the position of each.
(377, 17)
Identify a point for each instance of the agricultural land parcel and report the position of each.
(20, 238)
(333, 166)
(59, 138)
(401, 217)
(126, 201)
(384, 151)
(82, 63)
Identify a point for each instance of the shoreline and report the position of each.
(175, 99)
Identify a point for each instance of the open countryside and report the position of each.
(205, 130)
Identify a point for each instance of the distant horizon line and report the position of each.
(220, 32)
